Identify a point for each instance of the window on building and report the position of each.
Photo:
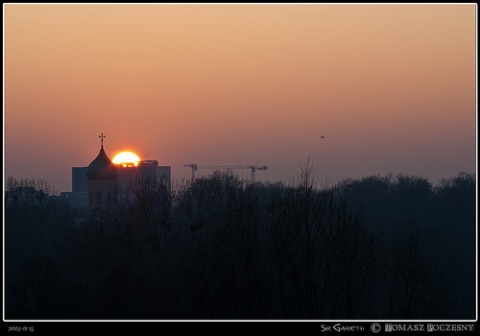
(90, 198)
(109, 198)
(99, 198)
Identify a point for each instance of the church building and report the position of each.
(103, 183)
(102, 177)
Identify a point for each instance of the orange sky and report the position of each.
(391, 87)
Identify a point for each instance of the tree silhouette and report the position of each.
(222, 248)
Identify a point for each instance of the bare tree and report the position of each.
(413, 288)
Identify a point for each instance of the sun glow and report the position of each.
(126, 159)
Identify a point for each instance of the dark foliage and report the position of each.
(220, 248)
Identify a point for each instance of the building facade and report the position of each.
(102, 177)
(102, 184)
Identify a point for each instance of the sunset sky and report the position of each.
(392, 88)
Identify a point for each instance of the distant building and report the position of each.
(79, 179)
(146, 171)
(78, 198)
(102, 177)
(103, 183)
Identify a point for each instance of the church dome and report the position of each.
(102, 168)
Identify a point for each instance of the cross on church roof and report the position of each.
(101, 136)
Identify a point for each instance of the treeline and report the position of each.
(221, 248)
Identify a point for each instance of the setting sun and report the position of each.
(126, 158)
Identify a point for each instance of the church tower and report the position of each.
(102, 180)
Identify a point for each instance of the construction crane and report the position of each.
(253, 168)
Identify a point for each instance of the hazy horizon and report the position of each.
(391, 88)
